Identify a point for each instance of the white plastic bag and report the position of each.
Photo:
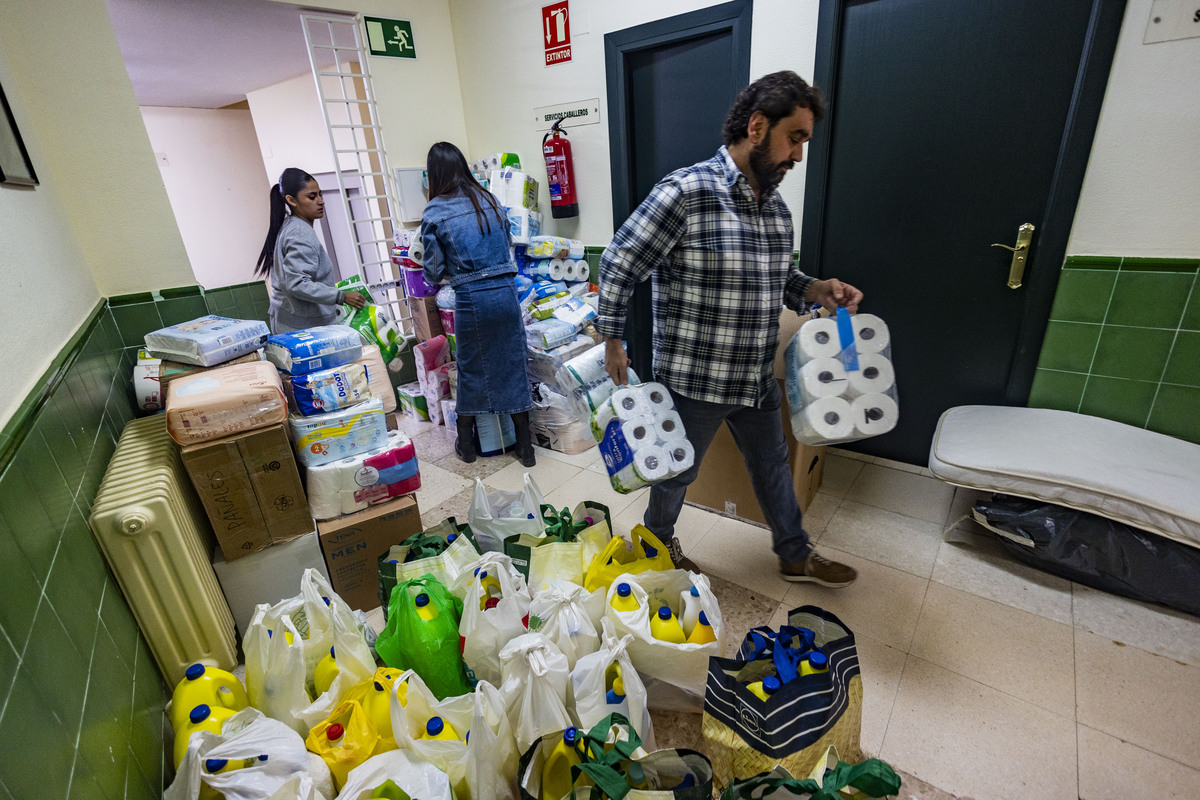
(589, 681)
(492, 757)
(410, 716)
(494, 516)
(674, 674)
(536, 688)
(560, 614)
(483, 632)
(248, 735)
(416, 776)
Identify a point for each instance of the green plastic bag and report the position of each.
(371, 320)
(429, 647)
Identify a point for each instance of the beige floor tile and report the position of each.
(979, 564)
(818, 514)
(884, 603)
(547, 474)
(1022, 654)
(1155, 629)
(693, 523)
(582, 460)
(902, 492)
(438, 485)
(1110, 769)
(458, 506)
(884, 536)
(839, 474)
(740, 553)
(881, 667)
(479, 468)
(970, 739)
(583, 484)
(435, 443)
(1144, 699)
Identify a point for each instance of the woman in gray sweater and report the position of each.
(303, 294)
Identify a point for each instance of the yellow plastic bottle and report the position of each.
(624, 600)
(200, 718)
(703, 632)
(378, 704)
(438, 728)
(491, 590)
(326, 670)
(424, 609)
(556, 770)
(764, 688)
(208, 686)
(814, 662)
(665, 626)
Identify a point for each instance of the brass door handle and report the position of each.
(1020, 255)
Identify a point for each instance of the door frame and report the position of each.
(1054, 228)
(733, 16)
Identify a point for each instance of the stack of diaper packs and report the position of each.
(642, 439)
(351, 484)
(207, 341)
(585, 383)
(841, 385)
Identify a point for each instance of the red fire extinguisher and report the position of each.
(560, 173)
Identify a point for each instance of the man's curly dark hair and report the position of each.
(776, 95)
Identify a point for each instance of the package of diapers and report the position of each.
(346, 432)
(225, 401)
(310, 349)
(330, 389)
(207, 341)
(642, 440)
(351, 484)
(381, 384)
(841, 385)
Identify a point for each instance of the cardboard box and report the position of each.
(352, 545)
(267, 576)
(724, 483)
(250, 488)
(427, 323)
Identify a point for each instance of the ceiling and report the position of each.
(207, 53)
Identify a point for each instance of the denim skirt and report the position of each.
(491, 348)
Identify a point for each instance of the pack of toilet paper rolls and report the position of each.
(339, 434)
(841, 383)
(559, 269)
(351, 484)
(585, 383)
(642, 439)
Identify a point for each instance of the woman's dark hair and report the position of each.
(449, 174)
(291, 182)
(776, 95)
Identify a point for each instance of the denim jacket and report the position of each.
(456, 250)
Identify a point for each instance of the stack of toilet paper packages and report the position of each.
(207, 341)
(322, 438)
(642, 440)
(224, 401)
(541, 365)
(840, 382)
(411, 400)
(585, 383)
(350, 484)
(523, 224)
(432, 358)
(513, 188)
(310, 349)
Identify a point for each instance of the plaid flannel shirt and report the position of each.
(722, 271)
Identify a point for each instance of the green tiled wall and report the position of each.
(1123, 342)
(81, 698)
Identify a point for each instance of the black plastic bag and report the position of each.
(1097, 551)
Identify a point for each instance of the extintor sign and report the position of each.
(556, 32)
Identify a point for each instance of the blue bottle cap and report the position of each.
(331, 653)
(570, 735)
(477, 570)
(771, 684)
(270, 633)
(664, 612)
(703, 618)
(450, 538)
(467, 738)
(199, 713)
(197, 670)
(434, 726)
(695, 592)
(818, 659)
(422, 600)
(215, 764)
(263, 757)
(624, 590)
(482, 575)
(651, 552)
(327, 602)
(378, 686)
(392, 561)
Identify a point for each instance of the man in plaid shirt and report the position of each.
(717, 240)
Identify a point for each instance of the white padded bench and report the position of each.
(1144, 479)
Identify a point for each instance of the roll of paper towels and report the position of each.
(658, 396)
(670, 426)
(682, 454)
(874, 414)
(828, 418)
(874, 375)
(871, 334)
(639, 432)
(651, 463)
(818, 338)
(823, 377)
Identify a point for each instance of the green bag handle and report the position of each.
(559, 524)
(872, 777)
(423, 545)
(604, 766)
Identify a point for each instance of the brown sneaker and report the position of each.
(816, 569)
(675, 550)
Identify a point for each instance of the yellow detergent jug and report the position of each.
(764, 688)
(438, 728)
(556, 769)
(491, 591)
(325, 672)
(665, 627)
(424, 610)
(208, 686)
(703, 632)
(213, 766)
(624, 600)
(814, 662)
(200, 718)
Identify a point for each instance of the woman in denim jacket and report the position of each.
(466, 239)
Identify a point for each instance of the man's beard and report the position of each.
(766, 174)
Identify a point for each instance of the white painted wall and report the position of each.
(1142, 187)
(290, 129)
(210, 164)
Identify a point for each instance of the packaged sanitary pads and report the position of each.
(327, 437)
(351, 484)
(330, 389)
(207, 341)
(225, 401)
(311, 349)
(642, 440)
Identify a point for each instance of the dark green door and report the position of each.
(952, 124)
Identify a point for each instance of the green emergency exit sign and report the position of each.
(390, 37)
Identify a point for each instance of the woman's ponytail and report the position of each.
(292, 181)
